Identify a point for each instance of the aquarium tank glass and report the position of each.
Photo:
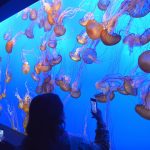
(80, 49)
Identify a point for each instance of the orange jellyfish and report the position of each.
(35, 77)
(59, 30)
(94, 29)
(129, 88)
(103, 86)
(29, 31)
(9, 46)
(43, 46)
(56, 5)
(33, 14)
(64, 83)
(144, 109)
(52, 43)
(75, 90)
(144, 61)
(110, 39)
(103, 98)
(82, 38)
(47, 26)
(25, 67)
(25, 14)
(75, 56)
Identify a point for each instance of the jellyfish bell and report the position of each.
(45, 67)
(25, 67)
(104, 87)
(7, 36)
(43, 46)
(59, 30)
(110, 39)
(56, 60)
(9, 46)
(75, 56)
(121, 90)
(103, 6)
(56, 5)
(48, 88)
(144, 61)
(1, 97)
(47, 79)
(64, 83)
(33, 14)
(94, 29)
(103, 98)
(39, 89)
(82, 38)
(37, 68)
(35, 76)
(47, 26)
(128, 87)
(89, 56)
(29, 33)
(52, 43)
(142, 111)
(50, 19)
(75, 90)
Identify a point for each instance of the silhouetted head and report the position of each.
(46, 117)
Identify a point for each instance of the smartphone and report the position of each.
(93, 105)
(1, 135)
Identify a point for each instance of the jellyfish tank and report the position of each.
(80, 49)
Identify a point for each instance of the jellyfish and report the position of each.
(103, 86)
(75, 90)
(35, 76)
(127, 88)
(59, 30)
(52, 43)
(136, 8)
(103, 4)
(94, 29)
(144, 61)
(144, 109)
(43, 45)
(103, 98)
(110, 39)
(88, 16)
(133, 40)
(39, 89)
(25, 67)
(29, 31)
(7, 36)
(82, 38)
(33, 14)
(10, 44)
(64, 82)
(56, 5)
(89, 56)
(75, 56)
(25, 14)
(8, 76)
(56, 57)
(47, 26)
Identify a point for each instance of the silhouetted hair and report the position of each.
(46, 122)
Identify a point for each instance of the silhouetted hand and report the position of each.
(97, 115)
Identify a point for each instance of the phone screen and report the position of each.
(1, 135)
(93, 105)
